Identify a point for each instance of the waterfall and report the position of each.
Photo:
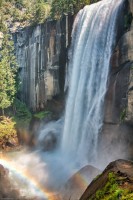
(77, 132)
(75, 136)
(93, 39)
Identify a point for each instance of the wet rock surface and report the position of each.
(8, 189)
(49, 142)
(118, 116)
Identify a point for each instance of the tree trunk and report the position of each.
(3, 113)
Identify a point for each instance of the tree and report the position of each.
(40, 11)
(8, 68)
(60, 7)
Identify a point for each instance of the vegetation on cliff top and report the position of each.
(15, 13)
(23, 12)
(60, 7)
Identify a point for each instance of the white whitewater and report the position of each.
(93, 38)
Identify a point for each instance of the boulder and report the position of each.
(7, 188)
(119, 171)
(49, 142)
(77, 184)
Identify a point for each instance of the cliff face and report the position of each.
(118, 121)
(41, 56)
(121, 61)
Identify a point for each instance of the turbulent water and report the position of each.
(93, 39)
(77, 133)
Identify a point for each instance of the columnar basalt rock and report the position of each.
(41, 56)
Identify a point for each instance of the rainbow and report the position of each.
(80, 181)
(44, 193)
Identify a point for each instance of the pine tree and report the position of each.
(8, 69)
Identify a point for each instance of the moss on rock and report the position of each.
(114, 189)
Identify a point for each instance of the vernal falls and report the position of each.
(77, 132)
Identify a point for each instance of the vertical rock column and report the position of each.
(41, 56)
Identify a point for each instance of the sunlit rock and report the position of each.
(77, 184)
(41, 56)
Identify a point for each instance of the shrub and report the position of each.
(42, 114)
(7, 129)
(22, 115)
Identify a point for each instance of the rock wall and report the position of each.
(117, 137)
(41, 55)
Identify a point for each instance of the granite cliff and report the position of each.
(42, 58)
(41, 53)
(116, 136)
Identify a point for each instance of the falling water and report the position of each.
(93, 38)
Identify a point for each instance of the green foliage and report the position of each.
(110, 187)
(37, 11)
(128, 196)
(8, 68)
(112, 190)
(60, 7)
(42, 114)
(123, 115)
(7, 128)
(22, 115)
(128, 20)
(23, 11)
(41, 11)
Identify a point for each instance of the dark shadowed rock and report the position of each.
(49, 142)
(116, 137)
